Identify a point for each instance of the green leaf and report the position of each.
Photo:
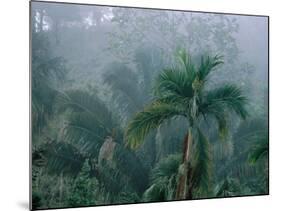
(151, 118)
(227, 97)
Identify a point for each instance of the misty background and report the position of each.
(106, 60)
(90, 38)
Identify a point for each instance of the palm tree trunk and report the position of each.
(183, 191)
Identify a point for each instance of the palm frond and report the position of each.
(173, 99)
(120, 170)
(166, 167)
(152, 116)
(228, 187)
(125, 87)
(130, 165)
(89, 121)
(49, 71)
(185, 60)
(163, 179)
(81, 101)
(174, 81)
(247, 138)
(47, 74)
(84, 131)
(260, 149)
(43, 100)
(156, 192)
(127, 197)
(228, 97)
(61, 157)
(183, 57)
(207, 65)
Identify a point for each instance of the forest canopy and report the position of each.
(139, 105)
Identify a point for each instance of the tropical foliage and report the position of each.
(181, 91)
(136, 106)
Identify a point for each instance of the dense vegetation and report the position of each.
(139, 105)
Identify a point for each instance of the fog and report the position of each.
(85, 33)
(100, 65)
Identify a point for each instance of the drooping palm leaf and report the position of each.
(163, 179)
(90, 120)
(47, 74)
(61, 157)
(125, 87)
(260, 148)
(149, 119)
(227, 97)
(120, 171)
(166, 167)
(220, 101)
(130, 86)
(84, 131)
(81, 101)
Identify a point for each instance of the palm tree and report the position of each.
(130, 89)
(182, 91)
(91, 135)
(48, 73)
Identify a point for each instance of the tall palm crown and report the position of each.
(181, 92)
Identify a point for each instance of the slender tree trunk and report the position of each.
(183, 191)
